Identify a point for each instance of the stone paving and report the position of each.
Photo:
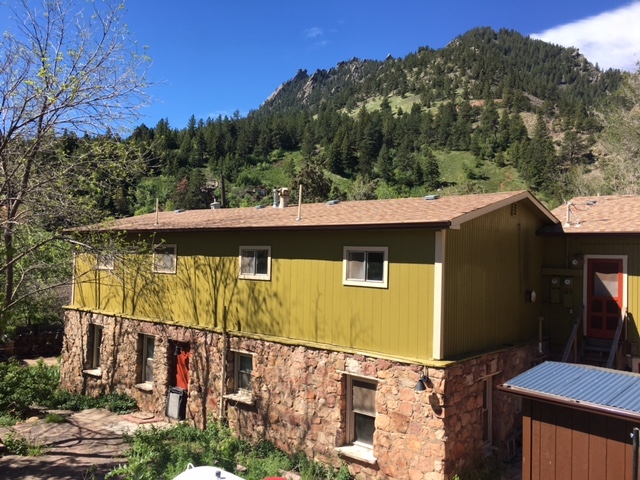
(85, 447)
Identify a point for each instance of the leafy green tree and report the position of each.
(70, 66)
(316, 187)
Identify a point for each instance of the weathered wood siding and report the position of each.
(568, 444)
(304, 301)
(490, 263)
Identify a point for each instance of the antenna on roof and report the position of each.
(299, 203)
(157, 208)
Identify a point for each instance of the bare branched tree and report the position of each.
(68, 68)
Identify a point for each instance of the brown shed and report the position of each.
(578, 421)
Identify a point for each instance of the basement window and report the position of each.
(147, 343)
(94, 346)
(255, 262)
(242, 374)
(365, 266)
(360, 418)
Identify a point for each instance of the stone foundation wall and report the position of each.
(299, 394)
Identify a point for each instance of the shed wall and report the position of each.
(568, 444)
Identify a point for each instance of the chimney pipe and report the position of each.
(283, 193)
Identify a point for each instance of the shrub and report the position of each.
(23, 387)
(18, 445)
(165, 453)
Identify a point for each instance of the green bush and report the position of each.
(18, 445)
(24, 387)
(165, 453)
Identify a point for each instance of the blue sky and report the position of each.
(213, 57)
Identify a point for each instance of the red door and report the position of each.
(182, 354)
(604, 296)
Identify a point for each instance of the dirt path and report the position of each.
(86, 446)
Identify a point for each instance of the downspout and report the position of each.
(225, 348)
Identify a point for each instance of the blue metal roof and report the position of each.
(582, 385)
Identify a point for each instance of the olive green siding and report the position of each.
(559, 252)
(304, 301)
(490, 263)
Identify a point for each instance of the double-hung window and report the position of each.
(105, 261)
(255, 262)
(361, 405)
(95, 344)
(365, 266)
(243, 372)
(360, 418)
(146, 358)
(165, 259)
(242, 375)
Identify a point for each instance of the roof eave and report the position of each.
(439, 225)
(567, 402)
(524, 195)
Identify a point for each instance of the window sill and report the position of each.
(364, 283)
(241, 397)
(94, 372)
(145, 387)
(263, 278)
(357, 452)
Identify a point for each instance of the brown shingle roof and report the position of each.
(443, 212)
(611, 214)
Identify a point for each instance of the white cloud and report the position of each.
(611, 39)
(313, 32)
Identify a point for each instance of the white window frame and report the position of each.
(346, 280)
(105, 262)
(237, 371)
(352, 412)
(144, 357)
(160, 258)
(254, 275)
(96, 332)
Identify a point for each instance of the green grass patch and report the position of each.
(55, 418)
(462, 173)
(162, 454)
(18, 445)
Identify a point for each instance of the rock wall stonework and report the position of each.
(299, 396)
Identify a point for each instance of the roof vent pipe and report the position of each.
(275, 198)
(568, 222)
(284, 197)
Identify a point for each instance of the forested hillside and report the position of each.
(490, 111)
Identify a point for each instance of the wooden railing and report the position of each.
(616, 342)
(572, 342)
